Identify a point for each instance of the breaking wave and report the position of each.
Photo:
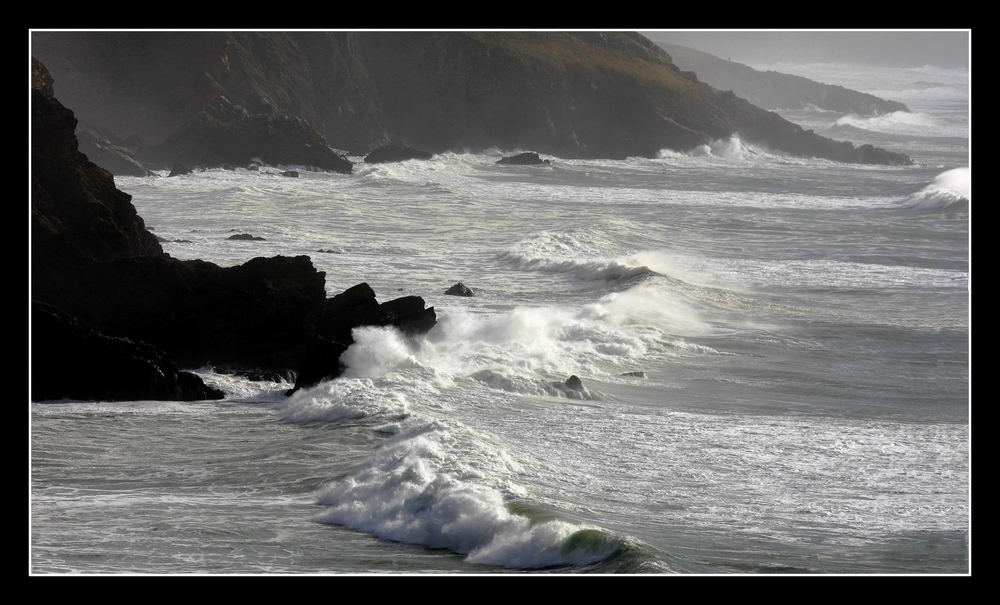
(948, 190)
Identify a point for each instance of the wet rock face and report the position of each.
(353, 308)
(460, 289)
(523, 159)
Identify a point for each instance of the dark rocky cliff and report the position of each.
(581, 94)
(773, 90)
(113, 316)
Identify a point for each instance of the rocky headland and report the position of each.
(114, 316)
(774, 90)
(569, 95)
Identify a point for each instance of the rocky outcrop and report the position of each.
(224, 133)
(572, 95)
(460, 289)
(774, 90)
(136, 310)
(353, 308)
(395, 153)
(523, 159)
(179, 169)
(69, 361)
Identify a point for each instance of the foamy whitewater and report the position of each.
(774, 354)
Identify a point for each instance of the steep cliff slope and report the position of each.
(580, 94)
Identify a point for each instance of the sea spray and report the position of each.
(419, 489)
(949, 189)
(897, 122)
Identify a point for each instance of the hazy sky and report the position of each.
(889, 48)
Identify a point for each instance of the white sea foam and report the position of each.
(948, 189)
(577, 253)
(416, 489)
(898, 122)
(729, 149)
(339, 399)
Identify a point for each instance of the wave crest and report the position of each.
(947, 190)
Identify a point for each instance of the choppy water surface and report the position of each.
(774, 350)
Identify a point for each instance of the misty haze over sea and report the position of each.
(774, 353)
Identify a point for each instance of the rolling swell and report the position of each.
(586, 255)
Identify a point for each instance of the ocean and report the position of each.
(774, 355)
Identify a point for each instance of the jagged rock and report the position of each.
(353, 308)
(224, 133)
(179, 169)
(94, 260)
(394, 153)
(409, 315)
(72, 362)
(460, 289)
(523, 159)
(75, 206)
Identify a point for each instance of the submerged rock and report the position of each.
(247, 237)
(292, 173)
(179, 169)
(637, 374)
(460, 289)
(523, 159)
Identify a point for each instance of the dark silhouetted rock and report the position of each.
(460, 289)
(394, 153)
(72, 362)
(246, 237)
(179, 169)
(574, 383)
(409, 315)
(354, 308)
(138, 309)
(75, 206)
(523, 159)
